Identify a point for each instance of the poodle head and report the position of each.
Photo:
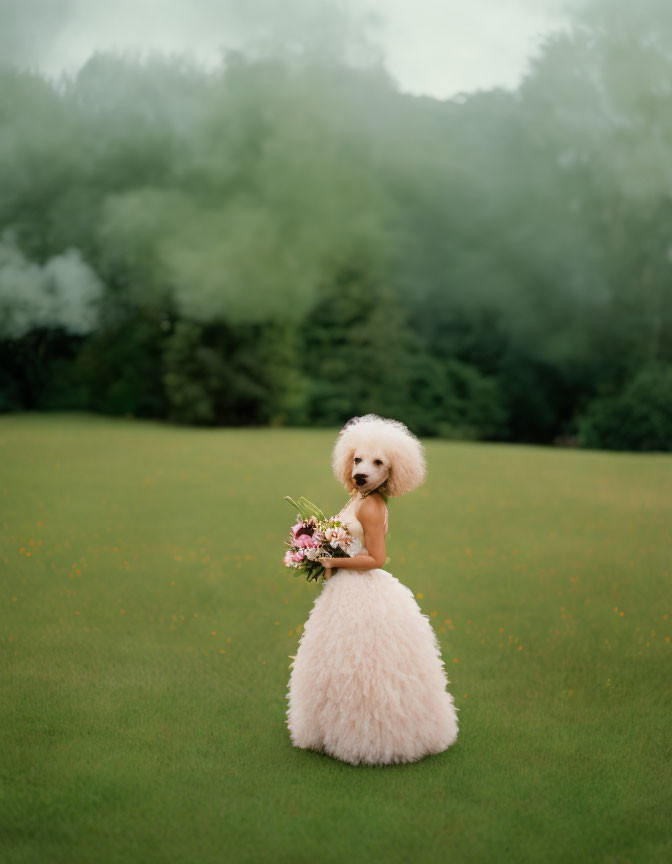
(373, 452)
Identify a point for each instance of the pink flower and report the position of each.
(338, 537)
(287, 559)
(306, 534)
(298, 556)
(306, 541)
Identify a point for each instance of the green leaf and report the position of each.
(292, 502)
(313, 509)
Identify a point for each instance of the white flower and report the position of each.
(339, 538)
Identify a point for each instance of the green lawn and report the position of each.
(147, 624)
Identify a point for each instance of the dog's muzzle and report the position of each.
(365, 483)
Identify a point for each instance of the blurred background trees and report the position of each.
(291, 240)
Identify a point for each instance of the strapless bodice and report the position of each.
(356, 530)
(354, 526)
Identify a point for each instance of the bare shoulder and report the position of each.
(372, 509)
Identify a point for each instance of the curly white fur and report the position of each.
(404, 452)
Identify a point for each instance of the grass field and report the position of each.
(147, 623)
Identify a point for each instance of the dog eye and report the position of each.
(357, 459)
(379, 461)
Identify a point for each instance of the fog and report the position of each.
(435, 47)
(64, 292)
(288, 235)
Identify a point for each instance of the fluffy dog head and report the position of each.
(373, 452)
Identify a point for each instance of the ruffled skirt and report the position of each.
(368, 684)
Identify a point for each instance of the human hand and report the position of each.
(329, 565)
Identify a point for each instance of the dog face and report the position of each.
(373, 451)
(370, 469)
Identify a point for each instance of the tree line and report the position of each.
(288, 240)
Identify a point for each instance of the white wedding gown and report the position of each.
(368, 683)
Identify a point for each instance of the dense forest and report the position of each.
(289, 239)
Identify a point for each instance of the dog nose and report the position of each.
(360, 479)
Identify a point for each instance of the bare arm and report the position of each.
(372, 517)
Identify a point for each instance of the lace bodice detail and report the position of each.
(355, 528)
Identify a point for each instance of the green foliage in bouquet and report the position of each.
(306, 508)
(307, 511)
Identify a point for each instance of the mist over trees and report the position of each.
(290, 240)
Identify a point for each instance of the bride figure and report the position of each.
(368, 684)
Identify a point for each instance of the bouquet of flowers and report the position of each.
(314, 537)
